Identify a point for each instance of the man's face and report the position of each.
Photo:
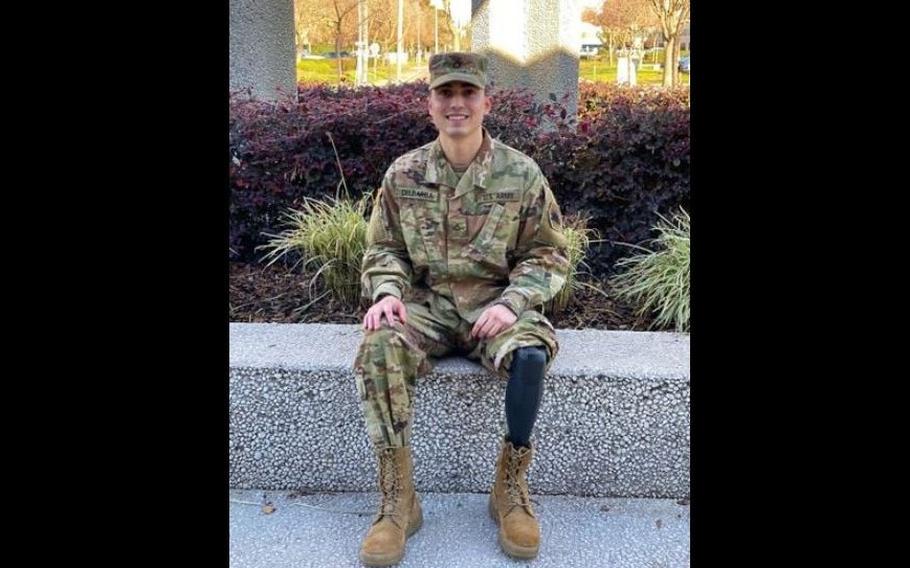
(457, 109)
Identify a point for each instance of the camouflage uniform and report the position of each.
(449, 249)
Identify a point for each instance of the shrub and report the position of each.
(658, 280)
(330, 234)
(577, 233)
(627, 159)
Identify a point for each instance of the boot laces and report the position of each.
(389, 484)
(518, 495)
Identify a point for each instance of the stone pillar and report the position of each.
(531, 44)
(262, 52)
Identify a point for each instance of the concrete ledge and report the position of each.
(614, 421)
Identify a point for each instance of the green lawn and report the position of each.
(600, 70)
(326, 71)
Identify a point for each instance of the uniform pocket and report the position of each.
(410, 230)
(361, 388)
(488, 246)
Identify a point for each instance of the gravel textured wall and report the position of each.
(614, 420)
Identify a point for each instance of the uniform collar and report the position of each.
(439, 171)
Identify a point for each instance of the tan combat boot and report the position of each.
(510, 504)
(399, 512)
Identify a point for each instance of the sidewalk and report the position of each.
(322, 530)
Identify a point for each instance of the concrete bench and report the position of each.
(614, 419)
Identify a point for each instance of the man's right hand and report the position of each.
(390, 306)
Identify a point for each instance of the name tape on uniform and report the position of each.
(488, 196)
(418, 193)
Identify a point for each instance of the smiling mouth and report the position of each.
(456, 117)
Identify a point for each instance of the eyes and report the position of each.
(448, 92)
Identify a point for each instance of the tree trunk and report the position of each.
(338, 50)
(676, 46)
(669, 64)
(610, 35)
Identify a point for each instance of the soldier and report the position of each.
(464, 247)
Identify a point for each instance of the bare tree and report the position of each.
(312, 22)
(446, 28)
(380, 24)
(386, 22)
(458, 11)
(335, 21)
(303, 25)
(383, 29)
(342, 9)
(671, 15)
(619, 21)
(418, 12)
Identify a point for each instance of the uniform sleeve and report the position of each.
(386, 268)
(541, 258)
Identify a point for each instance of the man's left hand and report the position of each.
(493, 321)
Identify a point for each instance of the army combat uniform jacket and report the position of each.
(494, 236)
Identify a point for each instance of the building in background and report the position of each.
(589, 42)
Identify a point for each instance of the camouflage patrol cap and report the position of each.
(467, 67)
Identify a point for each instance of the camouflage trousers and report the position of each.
(392, 358)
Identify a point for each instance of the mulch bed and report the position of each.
(276, 294)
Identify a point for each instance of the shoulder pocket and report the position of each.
(410, 230)
(378, 229)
